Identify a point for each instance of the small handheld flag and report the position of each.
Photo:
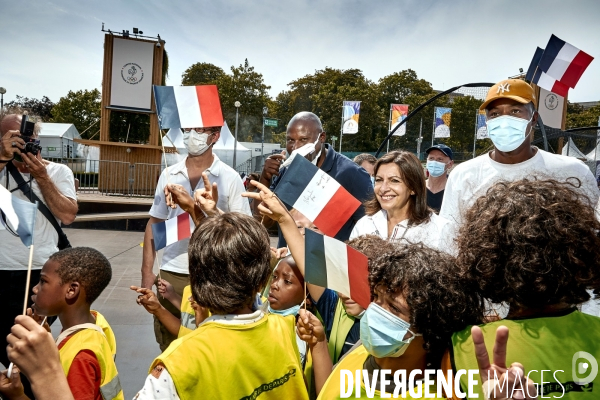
(19, 215)
(332, 264)
(188, 106)
(172, 230)
(317, 195)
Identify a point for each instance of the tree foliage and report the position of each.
(579, 117)
(40, 107)
(81, 108)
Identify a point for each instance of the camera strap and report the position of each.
(63, 241)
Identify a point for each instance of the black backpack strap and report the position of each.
(63, 241)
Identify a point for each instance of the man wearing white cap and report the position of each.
(511, 117)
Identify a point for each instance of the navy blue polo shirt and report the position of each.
(351, 176)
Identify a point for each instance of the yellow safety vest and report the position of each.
(221, 361)
(340, 328)
(547, 343)
(108, 332)
(353, 361)
(92, 340)
(188, 315)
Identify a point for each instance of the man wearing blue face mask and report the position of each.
(439, 162)
(510, 108)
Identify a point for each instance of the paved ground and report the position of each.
(133, 327)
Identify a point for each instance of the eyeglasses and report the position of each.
(204, 130)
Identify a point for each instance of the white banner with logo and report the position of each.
(551, 107)
(132, 74)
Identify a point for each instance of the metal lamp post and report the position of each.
(237, 105)
(262, 146)
(2, 91)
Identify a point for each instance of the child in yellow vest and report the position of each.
(70, 281)
(237, 352)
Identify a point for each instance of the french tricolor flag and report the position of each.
(188, 106)
(317, 195)
(332, 264)
(560, 66)
(172, 230)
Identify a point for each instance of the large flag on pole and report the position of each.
(332, 264)
(188, 106)
(398, 113)
(172, 230)
(537, 56)
(442, 122)
(19, 215)
(317, 195)
(482, 132)
(350, 114)
(559, 67)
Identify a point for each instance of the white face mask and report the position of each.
(303, 151)
(195, 143)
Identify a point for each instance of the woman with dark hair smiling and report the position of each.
(398, 210)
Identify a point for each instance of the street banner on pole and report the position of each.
(482, 132)
(350, 114)
(398, 113)
(442, 122)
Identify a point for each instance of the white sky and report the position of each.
(49, 48)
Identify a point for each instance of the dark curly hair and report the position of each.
(85, 265)
(440, 302)
(371, 246)
(229, 261)
(531, 243)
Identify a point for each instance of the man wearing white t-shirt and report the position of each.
(511, 116)
(187, 173)
(54, 185)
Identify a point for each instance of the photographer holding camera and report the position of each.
(29, 177)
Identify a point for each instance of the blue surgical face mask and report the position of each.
(382, 333)
(373, 181)
(288, 311)
(436, 168)
(507, 133)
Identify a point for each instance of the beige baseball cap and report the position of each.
(515, 89)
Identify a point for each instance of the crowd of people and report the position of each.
(500, 254)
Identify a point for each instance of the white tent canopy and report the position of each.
(57, 140)
(571, 150)
(595, 153)
(223, 148)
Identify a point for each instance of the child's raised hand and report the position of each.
(207, 197)
(166, 289)
(281, 252)
(11, 386)
(270, 205)
(309, 328)
(147, 298)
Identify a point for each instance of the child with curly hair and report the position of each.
(535, 245)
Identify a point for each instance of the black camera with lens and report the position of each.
(32, 145)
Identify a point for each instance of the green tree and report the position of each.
(462, 125)
(202, 74)
(246, 86)
(324, 92)
(81, 108)
(40, 107)
(579, 117)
